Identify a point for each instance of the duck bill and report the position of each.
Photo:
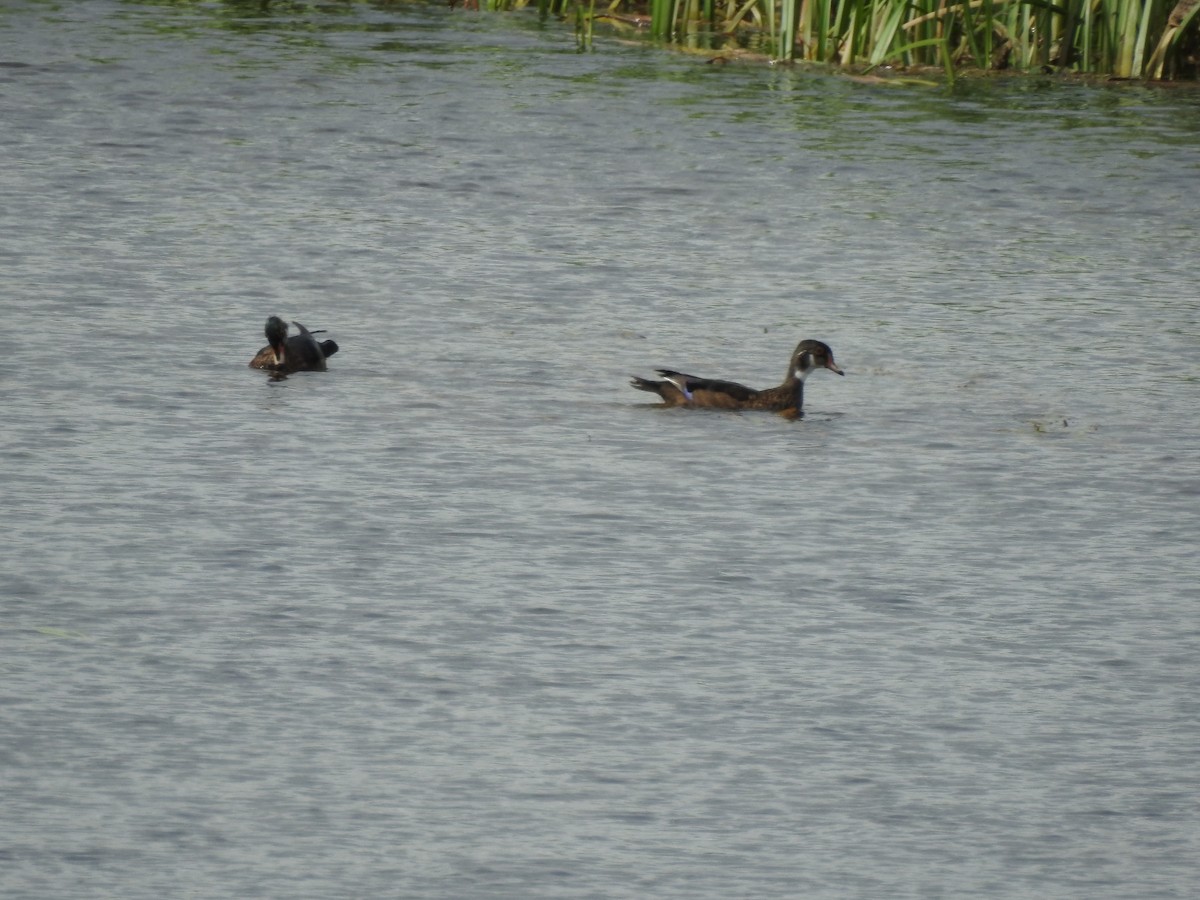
(833, 367)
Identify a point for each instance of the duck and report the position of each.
(678, 389)
(299, 353)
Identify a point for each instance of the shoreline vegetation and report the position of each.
(1155, 40)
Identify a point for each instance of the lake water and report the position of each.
(466, 616)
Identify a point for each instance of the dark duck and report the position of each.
(299, 353)
(677, 389)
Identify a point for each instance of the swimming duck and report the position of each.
(677, 389)
(298, 353)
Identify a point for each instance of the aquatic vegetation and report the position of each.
(1157, 39)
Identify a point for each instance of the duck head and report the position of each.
(810, 356)
(276, 332)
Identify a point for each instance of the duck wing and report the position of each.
(303, 350)
(700, 389)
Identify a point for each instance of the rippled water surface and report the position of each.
(464, 616)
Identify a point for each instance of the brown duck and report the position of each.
(298, 353)
(677, 389)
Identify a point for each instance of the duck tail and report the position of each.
(645, 384)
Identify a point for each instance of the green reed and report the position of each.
(1122, 38)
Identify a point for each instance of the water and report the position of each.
(463, 616)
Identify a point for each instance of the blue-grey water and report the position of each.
(464, 616)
